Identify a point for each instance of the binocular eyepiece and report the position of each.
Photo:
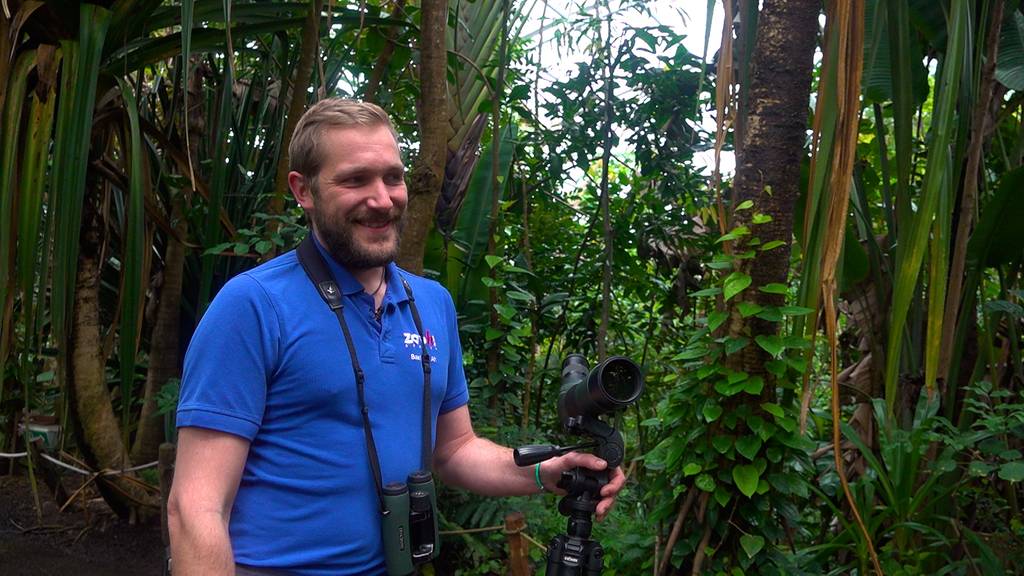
(612, 385)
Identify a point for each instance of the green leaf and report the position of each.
(773, 409)
(763, 486)
(1009, 308)
(789, 484)
(761, 219)
(754, 385)
(219, 248)
(776, 368)
(707, 292)
(691, 469)
(711, 411)
(774, 288)
(735, 344)
(715, 319)
(978, 468)
(698, 351)
(507, 312)
(771, 314)
(795, 310)
(722, 443)
(746, 478)
(771, 344)
(752, 544)
(734, 234)
(722, 496)
(736, 377)
(745, 205)
(797, 342)
(1010, 62)
(705, 482)
(492, 334)
(521, 296)
(770, 245)
(748, 309)
(1012, 471)
(735, 283)
(492, 260)
(724, 388)
(748, 446)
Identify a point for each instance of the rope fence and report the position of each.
(514, 527)
(66, 466)
(497, 527)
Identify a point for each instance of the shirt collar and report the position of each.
(348, 283)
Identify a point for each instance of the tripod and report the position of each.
(613, 385)
(575, 552)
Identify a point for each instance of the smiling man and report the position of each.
(285, 440)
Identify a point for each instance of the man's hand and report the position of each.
(551, 471)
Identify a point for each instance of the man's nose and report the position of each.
(380, 196)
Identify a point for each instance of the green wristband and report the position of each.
(536, 476)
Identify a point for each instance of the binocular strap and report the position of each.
(323, 280)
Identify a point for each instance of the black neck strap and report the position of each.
(320, 274)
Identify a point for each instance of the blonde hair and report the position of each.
(304, 153)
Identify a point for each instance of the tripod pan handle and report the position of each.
(534, 453)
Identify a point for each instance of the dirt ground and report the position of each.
(84, 540)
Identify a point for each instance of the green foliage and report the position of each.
(733, 436)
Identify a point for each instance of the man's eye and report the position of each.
(394, 179)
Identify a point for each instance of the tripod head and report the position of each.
(613, 385)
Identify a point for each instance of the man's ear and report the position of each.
(301, 191)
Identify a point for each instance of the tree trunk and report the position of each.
(296, 105)
(768, 166)
(428, 170)
(606, 220)
(384, 58)
(163, 349)
(100, 430)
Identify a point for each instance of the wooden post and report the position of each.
(165, 466)
(47, 471)
(518, 547)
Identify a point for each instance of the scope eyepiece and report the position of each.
(612, 385)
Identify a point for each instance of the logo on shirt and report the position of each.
(412, 340)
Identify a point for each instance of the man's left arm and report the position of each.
(463, 459)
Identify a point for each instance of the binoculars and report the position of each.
(410, 523)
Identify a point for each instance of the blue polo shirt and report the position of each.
(268, 362)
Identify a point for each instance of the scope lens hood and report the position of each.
(616, 382)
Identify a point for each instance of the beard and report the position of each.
(341, 243)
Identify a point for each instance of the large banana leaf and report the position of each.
(133, 259)
(913, 239)
(8, 157)
(32, 261)
(470, 234)
(1010, 64)
(997, 240)
(880, 62)
(71, 153)
(149, 50)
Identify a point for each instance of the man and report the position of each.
(273, 474)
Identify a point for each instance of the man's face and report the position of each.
(358, 207)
